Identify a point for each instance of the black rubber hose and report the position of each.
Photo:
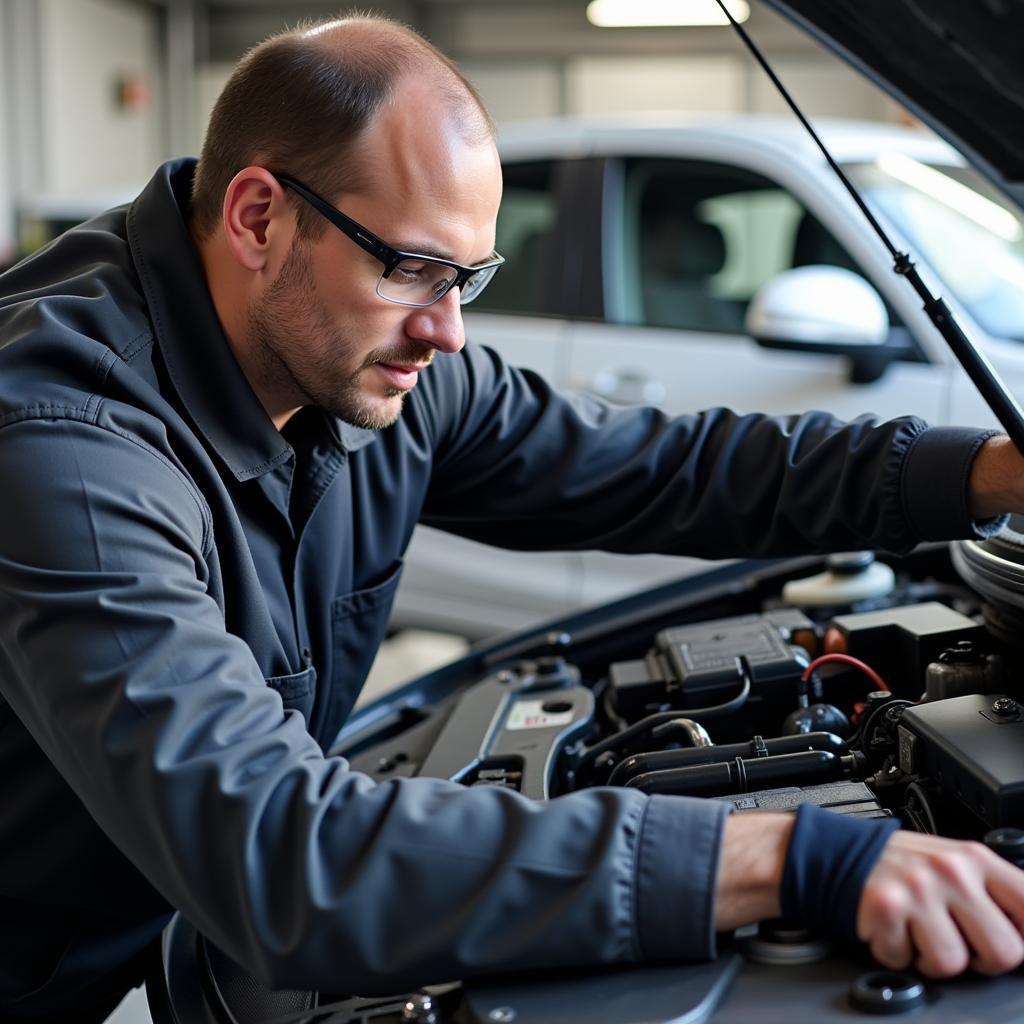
(742, 775)
(661, 760)
(645, 725)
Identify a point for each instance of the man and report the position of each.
(222, 411)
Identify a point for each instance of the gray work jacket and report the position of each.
(190, 601)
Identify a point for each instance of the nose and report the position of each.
(440, 325)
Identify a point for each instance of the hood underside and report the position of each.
(956, 64)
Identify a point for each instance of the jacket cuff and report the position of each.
(677, 869)
(933, 484)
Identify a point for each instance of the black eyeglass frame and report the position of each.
(386, 254)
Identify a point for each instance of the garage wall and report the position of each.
(518, 90)
(821, 86)
(64, 133)
(6, 138)
(599, 85)
(541, 58)
(90, 141)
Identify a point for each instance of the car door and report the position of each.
(686, 245)
(460, 585)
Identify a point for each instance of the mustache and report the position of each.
(406, 355)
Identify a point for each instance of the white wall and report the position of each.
(514, 90)
(90, 143)
(821, 86)
(210, 79)
(597, 85)
(722, 84)
(6, 163)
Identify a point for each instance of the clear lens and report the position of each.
(420, 282)
(416, 282)
(476, 284)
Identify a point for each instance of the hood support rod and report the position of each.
(988, 382)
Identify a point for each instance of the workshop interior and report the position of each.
(775, 205)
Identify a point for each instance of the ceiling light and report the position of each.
(638, 13)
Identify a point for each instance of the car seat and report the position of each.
(679, 256)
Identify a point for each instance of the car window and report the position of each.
(968, 233)
(525, 231)
(700, 239)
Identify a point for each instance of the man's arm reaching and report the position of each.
(996, 483)
(941, 905)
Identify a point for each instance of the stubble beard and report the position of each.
(301, 351)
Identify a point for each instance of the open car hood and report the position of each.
(956, 65)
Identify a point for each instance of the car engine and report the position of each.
(872, 687)
(902, 702)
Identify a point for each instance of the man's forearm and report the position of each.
(750, 871)
(997, 479)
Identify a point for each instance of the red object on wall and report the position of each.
(132, 92)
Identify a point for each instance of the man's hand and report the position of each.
(996, 483)
(942, 906)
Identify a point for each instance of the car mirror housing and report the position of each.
(823, 308)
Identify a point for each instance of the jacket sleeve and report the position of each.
(521, 465)
(115, 656)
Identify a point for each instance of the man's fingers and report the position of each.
(893, 949)
(988, 908)
(1005, 883)
(944, 905)
(882, 924)
(995, 940)
(942, 951)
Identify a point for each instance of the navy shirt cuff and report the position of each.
(933, 484)
(677, 868)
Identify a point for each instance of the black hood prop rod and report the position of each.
(979, 369)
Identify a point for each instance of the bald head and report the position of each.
(306, 103)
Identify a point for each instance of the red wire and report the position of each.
(847, 659)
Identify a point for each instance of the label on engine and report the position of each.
(531, 714)
(908, 750)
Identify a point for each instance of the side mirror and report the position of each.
(819, 309)
(825, 309)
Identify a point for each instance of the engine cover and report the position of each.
(971, 747)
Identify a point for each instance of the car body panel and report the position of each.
(596, 344)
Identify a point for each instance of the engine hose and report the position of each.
(661, 760)
(645, 725)
(742, 775)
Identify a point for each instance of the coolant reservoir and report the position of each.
(848, 577)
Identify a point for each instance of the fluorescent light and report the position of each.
(638, 13)
(953, 194)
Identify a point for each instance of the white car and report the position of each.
(690, 263)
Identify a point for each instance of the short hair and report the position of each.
(301, 99)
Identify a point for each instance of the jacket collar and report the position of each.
(201, 365)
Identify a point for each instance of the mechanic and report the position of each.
(224, 408)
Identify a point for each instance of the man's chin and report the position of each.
(375, 413)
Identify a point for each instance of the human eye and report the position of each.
(409, 272)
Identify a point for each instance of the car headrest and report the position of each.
(680, 245)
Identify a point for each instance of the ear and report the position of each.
(257, 220)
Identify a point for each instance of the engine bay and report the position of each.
(872, 687)
(901, 703)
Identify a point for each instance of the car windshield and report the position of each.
(961, 227)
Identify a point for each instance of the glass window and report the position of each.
(525, 232)
(700, 239)
(968, 233)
